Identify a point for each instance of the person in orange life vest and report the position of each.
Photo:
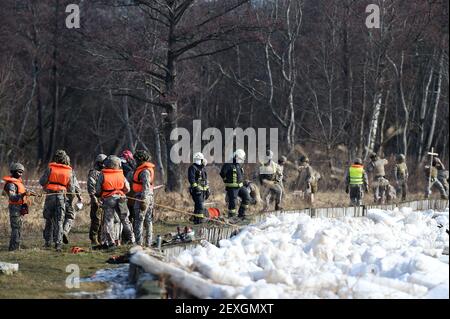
(57, 180)
(143, 179)
(96, 213)
(70, 213)
(356, 182)
(16, 192)
(128, 164)
(111, 187)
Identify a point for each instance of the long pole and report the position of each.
(432, 153)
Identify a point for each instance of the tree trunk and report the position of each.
(374, 122)
(423, 112)
(126, 116)
(173, 169)
(158, 150)
(436, 101)
(55, 107)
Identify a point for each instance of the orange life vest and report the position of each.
(20, 188)
(113, 182)
(59, 177)
(137, 184)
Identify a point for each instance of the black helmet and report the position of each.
(373, 155)
(358, 160)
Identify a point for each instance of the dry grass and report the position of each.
(331, 194)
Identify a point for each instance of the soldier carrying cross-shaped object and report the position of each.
(431, 172)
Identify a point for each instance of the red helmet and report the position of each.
(127, 155)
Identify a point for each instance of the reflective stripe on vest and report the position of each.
(356, 173)
(59, 177)
(234, 183)
(113, 182)
(20, 188)
(137, 184)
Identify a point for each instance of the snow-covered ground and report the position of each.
(388, 254)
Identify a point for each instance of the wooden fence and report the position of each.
(214, 234)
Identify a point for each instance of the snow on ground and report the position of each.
(388, 254)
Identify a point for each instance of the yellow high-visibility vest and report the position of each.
(356, 173)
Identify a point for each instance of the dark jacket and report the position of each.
(197, 176)
(232, 175)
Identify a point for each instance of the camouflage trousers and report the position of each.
(380, 188)
(115, 206)
(15, 220)
(272, 192)
(54, 211)
(435, 183)
(356, 195)
(143, 221)
(442, 177)
(69, 216)
(402, 187)
(96, 215)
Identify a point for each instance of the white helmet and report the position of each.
(199, 159)
(239, 155)
(269, 155)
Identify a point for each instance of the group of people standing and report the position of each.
(120, 191)
(357, 182)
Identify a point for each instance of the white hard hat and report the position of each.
(199, 156)
(239, 154)
(269, 155)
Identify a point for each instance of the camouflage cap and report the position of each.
(373, 155)
(304, 159)
(61, 157)
(14, 167)
(400, 157)
(283, 159)
(112, 161)
(142, 156)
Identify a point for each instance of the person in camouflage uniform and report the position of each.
(281, 162)
(308, 179)
(96, 213)
(128, 164)
(270, 177)
(253, 190)
(17, 195)
(112, 186)
(356, 182)
(433, 181)
(56, 181)
(143, 182)
(401, 175)
(69, 216)
(380, 184)
(442, 173)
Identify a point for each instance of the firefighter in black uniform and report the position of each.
(233, 177)
(199, 189)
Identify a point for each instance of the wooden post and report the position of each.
(431, 164)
